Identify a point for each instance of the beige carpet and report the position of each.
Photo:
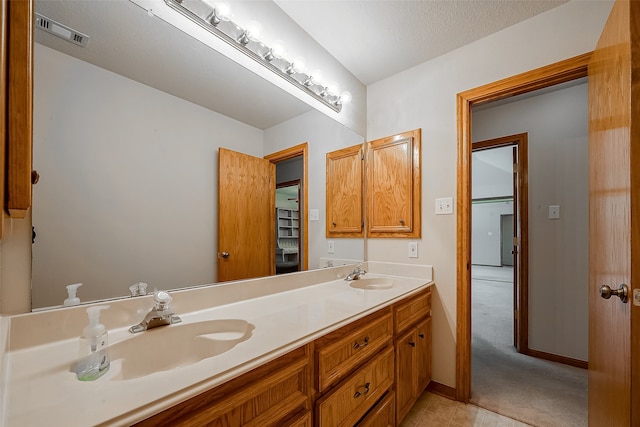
(534, 391)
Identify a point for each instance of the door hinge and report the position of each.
(515, 168)
(515, 240)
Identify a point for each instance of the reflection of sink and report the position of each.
(372, 283)
(169, 347)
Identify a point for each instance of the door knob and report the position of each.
(225, 254)
(622, 292)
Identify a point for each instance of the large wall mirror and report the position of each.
(126, 135)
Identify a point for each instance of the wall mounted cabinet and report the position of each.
(345, 175)
(394, 186)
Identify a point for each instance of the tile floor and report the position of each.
(432, 410)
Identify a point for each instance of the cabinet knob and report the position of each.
(401, 221)
(421, 336)
(412, 344)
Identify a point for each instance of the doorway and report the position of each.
(292, 169)
(500, 195)
(564, 71)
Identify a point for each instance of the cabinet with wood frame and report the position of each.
(344, 185)
(348, 377)
(393, 186)
(413, 351)
(16, 91)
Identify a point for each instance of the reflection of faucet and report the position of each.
(356, 273)
(160, 315)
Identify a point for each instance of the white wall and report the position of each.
(486, 243)
(328, 136)
(128, 188)
(425, 97)
(557, 124)
(492, 176)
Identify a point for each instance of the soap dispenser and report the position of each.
(72, 299)
(93, 361)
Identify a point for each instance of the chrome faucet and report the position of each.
(356, 273)
(160, 315)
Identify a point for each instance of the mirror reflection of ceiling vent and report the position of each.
(62, 31)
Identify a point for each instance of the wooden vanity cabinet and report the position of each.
(413, 351)
(345, 175)
(275, 394)
(394, 186)
(367, 373)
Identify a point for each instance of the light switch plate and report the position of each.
(554, 211)
(330, 247)
(314, 215)
(444, 206)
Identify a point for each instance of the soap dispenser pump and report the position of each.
(93, 361)
(72, 299)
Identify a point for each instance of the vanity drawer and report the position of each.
(340, 352)
(412, 310)
(383, 414)
(353, 398)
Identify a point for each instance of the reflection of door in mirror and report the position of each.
(287, 224)
(246, 205)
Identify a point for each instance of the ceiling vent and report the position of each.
(62, 31)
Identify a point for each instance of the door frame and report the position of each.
(559, 72)
(300, 150)
(521, 232)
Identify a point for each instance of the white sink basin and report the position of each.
(174, 346)
(373, 283)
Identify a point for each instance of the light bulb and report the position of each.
(223, 10)
(254, 31)
(316, 77)
(298, 65)
(277, 49)
(345, 97)
(333, 88)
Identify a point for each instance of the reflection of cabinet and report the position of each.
(287, 229)
(393, 186)
(344, 192)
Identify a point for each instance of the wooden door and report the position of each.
(344, 192)
(246, 216)
(614, 239)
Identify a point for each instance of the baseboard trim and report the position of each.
(556, 358)
(442, 390)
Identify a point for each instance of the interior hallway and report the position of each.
(535, 391)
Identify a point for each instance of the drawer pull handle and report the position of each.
(364, 343)
(412, 344)
(363, 389)
(421, 336)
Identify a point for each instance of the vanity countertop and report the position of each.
(38, 387)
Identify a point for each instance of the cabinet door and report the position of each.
(406, 379)
(393, 186)
(344, 192)
(423, 354)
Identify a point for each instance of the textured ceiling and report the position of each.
(375, 39)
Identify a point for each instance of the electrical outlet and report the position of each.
(444, 206)
(413, 249)
(330, 248)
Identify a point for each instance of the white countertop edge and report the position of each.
(183, 395)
